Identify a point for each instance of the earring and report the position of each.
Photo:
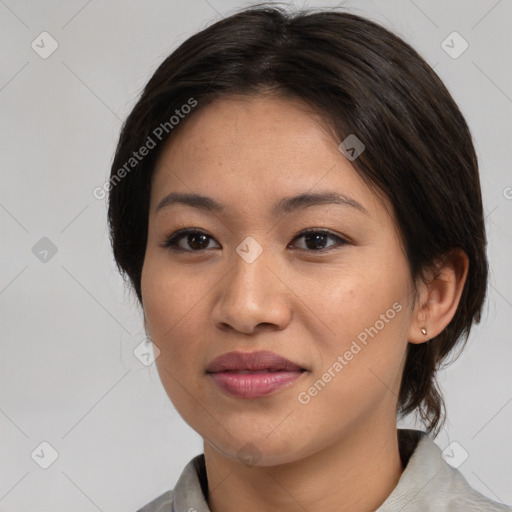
(423, 331)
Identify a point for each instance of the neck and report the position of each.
(356, 473)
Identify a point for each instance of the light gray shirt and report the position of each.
(427, 484)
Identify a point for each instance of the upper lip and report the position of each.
(251, 361)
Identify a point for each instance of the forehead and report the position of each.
(238, 124)
(256, 150)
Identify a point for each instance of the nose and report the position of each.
(253, 296)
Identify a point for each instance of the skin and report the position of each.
(340, 450)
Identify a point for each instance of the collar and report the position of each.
(427, 484)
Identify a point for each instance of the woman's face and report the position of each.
(337, 303)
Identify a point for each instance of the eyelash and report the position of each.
(172, 241)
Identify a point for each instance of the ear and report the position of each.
(438, 296)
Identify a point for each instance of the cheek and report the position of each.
(356, 297)
(172, 303)
(366, 306)
(171, 300)
(360, 362)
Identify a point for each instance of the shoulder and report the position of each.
(457, 495)
(430, 484)
(162, 503)
(188, 493)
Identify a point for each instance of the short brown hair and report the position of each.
(363, 80)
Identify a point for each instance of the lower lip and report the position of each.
(253, 385)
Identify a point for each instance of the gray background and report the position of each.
(68, 326)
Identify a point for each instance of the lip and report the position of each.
(253, 374)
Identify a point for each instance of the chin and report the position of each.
(260, 451)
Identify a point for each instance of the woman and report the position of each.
(296, 202)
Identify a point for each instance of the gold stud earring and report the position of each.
(423, 331)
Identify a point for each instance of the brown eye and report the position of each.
(190, 240)
(193, 240)
(317, 240)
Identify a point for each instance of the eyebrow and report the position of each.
(283, 206)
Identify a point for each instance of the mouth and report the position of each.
(253, 374)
